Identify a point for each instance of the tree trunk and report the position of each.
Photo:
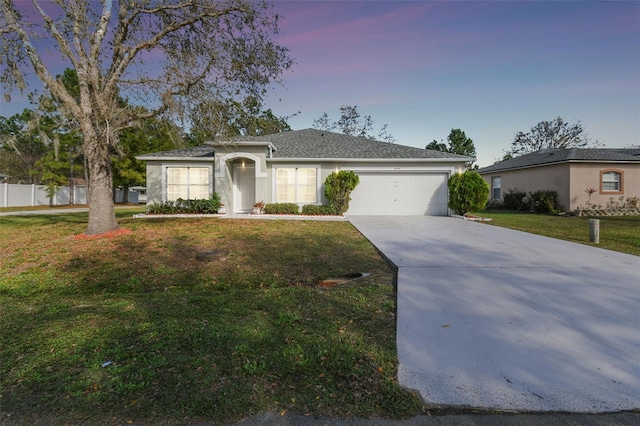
(102, 214)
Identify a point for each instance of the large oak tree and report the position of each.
(165, 55)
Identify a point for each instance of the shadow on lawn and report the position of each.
(215, 341)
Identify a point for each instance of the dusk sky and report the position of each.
(489, 68)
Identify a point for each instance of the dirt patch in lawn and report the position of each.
(116, 233)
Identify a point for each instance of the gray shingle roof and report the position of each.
(321, 144)
(315, 144)
(555, 156)
(197, 152)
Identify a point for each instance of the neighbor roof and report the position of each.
(321, 144)
(568, 155)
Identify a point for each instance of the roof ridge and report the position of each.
(549, 156)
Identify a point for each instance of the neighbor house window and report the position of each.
(188, 183)
(495, 188)
(296, 185)
(611, 181)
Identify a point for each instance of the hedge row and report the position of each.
(181, 206)
(542, 201)
(212, 205)
(293, 209)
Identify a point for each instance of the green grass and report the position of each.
(619, 233)
(189, 341)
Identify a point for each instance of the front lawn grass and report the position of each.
(133, 329)
(619, 233)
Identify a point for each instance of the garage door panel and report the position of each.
(385, 193)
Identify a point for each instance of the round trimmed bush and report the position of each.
(468, 192)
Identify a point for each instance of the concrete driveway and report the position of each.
(495, 318)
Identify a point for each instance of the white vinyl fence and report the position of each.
(18, 195)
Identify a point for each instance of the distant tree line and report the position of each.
(550, 134)
(353, 124)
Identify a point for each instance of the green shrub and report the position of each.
(545, 201)
(281, 208)
(168, 207)
(513, 200)
(338, 187)
(315, 210)
(468, 192)
(494, 204)
(181, 206)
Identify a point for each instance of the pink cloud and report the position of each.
(342, 38)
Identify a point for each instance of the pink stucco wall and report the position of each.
(570, 180)
(585, 175)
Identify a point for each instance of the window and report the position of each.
(296, 185)
(188, 183)
(611, 181)
(495, 188)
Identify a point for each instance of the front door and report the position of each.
(244, 186)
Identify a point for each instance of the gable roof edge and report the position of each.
(371, 160)
(555, 163)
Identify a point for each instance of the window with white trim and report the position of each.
(296, 185)
(611, 181)
(188, 183)
(496, 187)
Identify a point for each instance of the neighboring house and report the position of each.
(292, 166)
(571, 173)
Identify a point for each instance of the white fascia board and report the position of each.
(372, 160)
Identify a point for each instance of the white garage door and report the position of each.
(380, 193)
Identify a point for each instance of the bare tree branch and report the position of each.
(556, 133)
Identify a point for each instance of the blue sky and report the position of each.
(489, 68)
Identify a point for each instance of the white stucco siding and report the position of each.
(154, 182)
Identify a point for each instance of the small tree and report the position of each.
(338, 187)
(459, 144)
(54, 175)
(467, 192)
